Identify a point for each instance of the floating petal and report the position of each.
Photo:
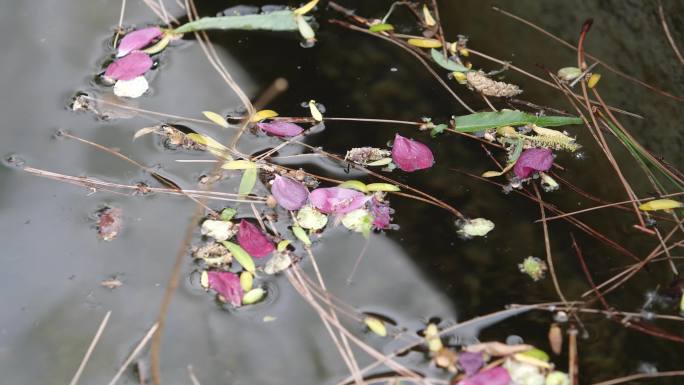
(137, 39)
(280, 128)
(337, 200)
(133, 88)
(227, 284)
(410, 155)
(495, 376)
(470, 362)
(382, 214)
(531, 160)
(129, 67)
(290, 194)
(253, 240)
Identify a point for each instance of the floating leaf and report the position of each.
(161, 44)
(480, 121)
(315, 112)
(376, 326)
(304, 9)
(282, 245)
(129, 67)
(555, 339)
(278, 263)
(532, 160)
(382, 187)
(429, 20)
(569, 73)
(214, 147)
(311, 219)
(438, 129)
(337, 200)
(460, 77)
(494, 376)
(274, 21)
(381, 162)
(497, 348)
(227, 284)
(263, 114)
(354, 184)
(144, 131)
(593, 80)
(432, 337)
(228, 213)
(253, 296)
(425, 43)
(447, 64)
(305, 29)
(410, 155)
(216, 118)
(133, 88)
(382, 27)
(240, 255)
(523, 358)
(238, 165)
(137, 39)
(301, 235)
(246, 280)
(661, 204)
(219, 230)
(478, 227)
(281, 128)
(359, 220)
(289, 193)
(249, 177)
(252, 240)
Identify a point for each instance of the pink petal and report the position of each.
(381, 213)
(470, 362)
(137, 39)
(337, 200)
(227, 284)
(410, 155)
(495, 376)
(129, 67)
(531, 160)
(253, 240)
(279, 128)
(289, 193)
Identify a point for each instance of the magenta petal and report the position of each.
(253, 240)
(410, 155)
(381, 214)
(470, 362)
(227, 284)
(280, 128)
(137, 39)
(129, 67)
(289, 193)
(495, 376)
(337, 200)
(531, 160)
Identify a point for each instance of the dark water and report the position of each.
(52, 300)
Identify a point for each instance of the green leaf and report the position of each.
(240, 255)
(446, 63)
(246, 281)
(227, 214)
(216, 118)
(484, 120)
(273, 21)
(301, 235)
(253, 296)
(376, 326)
(248, 181)
(438, 129)
(381, 27)
(282, 245)
(382, 187)
(354, 185)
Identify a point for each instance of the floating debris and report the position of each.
(219, 230)
(410, 155)
(478, 227)
(534, 267)
(365, 155)
(109, 223)
(478, 81)
(252, 240)
(289, 193)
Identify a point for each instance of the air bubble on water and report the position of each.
(514, 340)
(647, 367)
(307, 43)
(14, 160)
(394, 69)
(560, 317)
(580, 155)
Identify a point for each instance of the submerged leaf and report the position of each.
(480, 121)
(248, 181)
(359, 220)
(289, 193)
(278, 263)
(555, 339)
(557, 378)
(253, 240)
(425, 43)
(137, 39)
(263, 114)
(216, 118)
(274, 21)
(532, 160)
(447, 64)
(129, 67)
(109, 223)
(410, 155)
(337, 200)
(241, 256)
(660, 204)
(219, 230)
(227, 284)
(376, 326)
(281, 128)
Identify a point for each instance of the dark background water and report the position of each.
(51, 296)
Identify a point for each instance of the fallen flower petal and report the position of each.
(531, 160)
(227, 284)
(410, 155)
(382, 214)
(337, 200)
(290, 194)
(495, 376)
(470, 362)
(279, 128)
(133, 88)
(219, 230)
(129, 67)
(137, 39)
(253, 240)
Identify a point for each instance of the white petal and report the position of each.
(133, 88)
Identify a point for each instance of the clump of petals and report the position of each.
(494, 376)
(280, 128)
(290, 194)
(253, 240)
(470, 362)
(337, 200)
(129, 67)
(532, 160)
(382, 214)
(410, 155)
(227, 284)
(137, 39)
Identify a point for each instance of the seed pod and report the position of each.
(555, 339)
(481, 83)
(376, 326)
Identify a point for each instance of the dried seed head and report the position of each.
(481, 83)
(363, 155)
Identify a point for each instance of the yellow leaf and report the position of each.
(263, 114)
(354, 184)
(382, 187)
(593, 80)
(213, 146)
(204, 279)
(301, 235)
(304, 9)
(432, 337)
(661, 204)
(282, 245)
(238, 165)
(216, 118)
(491, 174)
(315, 113)
(376, 326)
(305, 29)
(531, 360)
(429, 20)
(460, 77)
(253, 296)
(425, 43)
(246, 281)
(464, 52)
